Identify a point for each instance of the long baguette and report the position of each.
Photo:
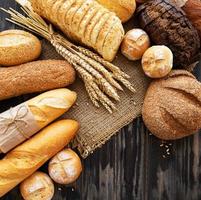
(37, 76)
(40, 111)
(31, 155)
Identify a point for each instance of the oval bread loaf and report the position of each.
(85, 21)
(124, 9)
(18, 47)
(28, 157)
(172, 106)
(36, 76)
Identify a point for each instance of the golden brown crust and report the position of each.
(124, 9)
(35, 76)
(25, 159)
(172, 106)
(38, 186)
(82, 21)
(17, 47)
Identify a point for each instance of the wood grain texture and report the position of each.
(133, 165)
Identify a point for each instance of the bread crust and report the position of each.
(172, 106)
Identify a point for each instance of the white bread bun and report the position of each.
(135, 43)
(65, 167)
(157, 61)
(38, 186)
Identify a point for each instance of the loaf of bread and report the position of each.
(171, 107)
(124, 9)
(65, 167)
(36, 76)
(38, 186)
(25, 159)
(21, 122)
(18, 47)
(86, 22)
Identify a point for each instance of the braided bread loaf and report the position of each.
(86, 22)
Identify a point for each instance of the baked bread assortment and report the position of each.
(18, 47)
(84, 21)
(38, 186)
(25, 159)
(167, 24)
(124, 9)
(65, 167)
(21, 122)
(171, 107)
(36, 76)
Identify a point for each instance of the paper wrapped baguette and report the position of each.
(86, 22)
(21, 122)
(24, 160)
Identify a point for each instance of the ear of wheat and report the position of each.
(101, 78)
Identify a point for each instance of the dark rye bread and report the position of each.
(172, 106)
(168, 25)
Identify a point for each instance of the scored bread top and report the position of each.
(172, 106)
(86, 22)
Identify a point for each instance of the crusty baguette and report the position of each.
(82, 21)
(35, 76)
(124, 9)
(43, 108)
(31, 155)
(18, 47)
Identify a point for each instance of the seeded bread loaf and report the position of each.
(86, 22)
(172, 106)
(36, 76)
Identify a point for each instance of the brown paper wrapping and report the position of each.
(16, 125)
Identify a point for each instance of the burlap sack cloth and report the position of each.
(97, 125)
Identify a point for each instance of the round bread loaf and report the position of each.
(65, 167)
(38, 186)
(172, 106)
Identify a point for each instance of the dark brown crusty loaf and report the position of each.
(168, 25)
(172, 106)
(35, 76)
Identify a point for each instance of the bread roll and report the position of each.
(37, 76)
(18, 47)
(32, 116)
(86, 22)
(65, 167)
(135, 43)
(157, 61)
(171, 107)
(124, 9)
(25, 159)
(38, 186)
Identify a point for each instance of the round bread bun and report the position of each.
(157, 61)
(65, 167)
(38, 186)
(134, 44)
(172, 106)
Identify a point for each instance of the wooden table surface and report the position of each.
(133, 165)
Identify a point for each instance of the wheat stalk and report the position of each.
(101, 78)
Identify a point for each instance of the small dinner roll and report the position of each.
(157, 61)
(65, 167)
(135, 43)
(38, 186)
